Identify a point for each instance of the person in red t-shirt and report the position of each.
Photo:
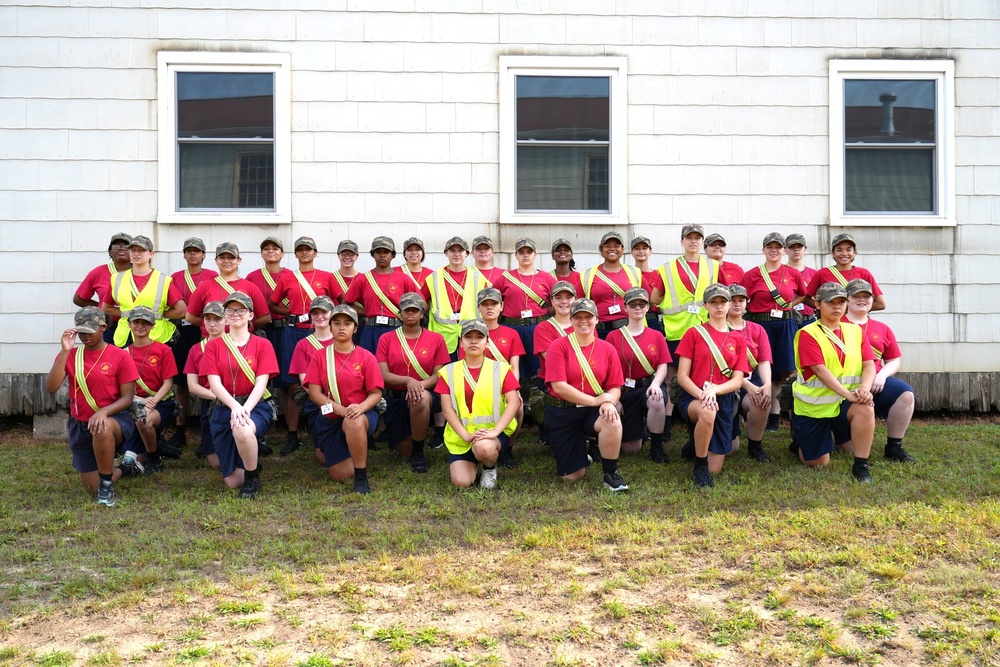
(562, 255)
(212, 318)
(480, 418)
(642, 253)
(795, 249)
(844, 250)
(413, 254)
(101, 386)
(238, 366)
(546, 333)
(482, 254)
(644, 358)
(755, 395)
(227, 260)
(715, 248)
(709, 391)
(606, 284)
(266, 278)
(320, 312)
(378, 291)
(98, 280)
(584, 378)
(345, 383)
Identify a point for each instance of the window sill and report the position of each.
(204, 218)
(900, 220)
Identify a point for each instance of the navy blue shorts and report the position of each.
(567, 430)
(781, 334)
(310, 411)
(277, 339)
(329, 437)
(370, 335)
(222, 434)
(290, 338)
(722, 432)
(672, 348)
(188, 336)
(167, 410)
(206, 426)
(816, 436)
(397, 417)
(885, 399)
(528, 362)
(634, 414)
(81, 442)
(471, 458)
(654, 322)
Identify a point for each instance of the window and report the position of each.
(891, 143)
(224, 138)
(563, 140)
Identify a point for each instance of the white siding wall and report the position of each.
(395, 131)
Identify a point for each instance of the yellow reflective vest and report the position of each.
(440, 316)
(676, 296)
(153, 295)
(488, 402)
(812, 397)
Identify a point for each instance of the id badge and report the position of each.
(615, 309)
(381, 319)
(693, 309)
(185, 323)
(527, 314)
(456, 317)
(630, 383)
(326, 409)
(799, 307)
(777, 313)
(304, 318)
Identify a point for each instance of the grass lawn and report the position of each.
(776, 565)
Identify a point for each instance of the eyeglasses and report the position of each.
(237, 311)
(637, 304)
(119, 246)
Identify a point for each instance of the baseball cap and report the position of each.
(583, 306)
(344, 309)
(241, 298)
(144, 313)
(89, 319)
(413, 240)
(383, 242)
(717, 289)
(640, 239)
(412, 300)
(794, 239)
(214, 308)
(489, 294)
(563, 286)
(322, 302)
(612, 236)
(830, 291)
(857, 286)
(468, 326)
(142, 242)
(347, 244)
(227, 248)
(559, 242)
(773, 237)
(459, 241)
(306, 241)
(636, 294)
(736, 290)
(714, 237)
(120, 237)
(524, 242)
(193, 242)
(842, 238)
(275, 240)
(480, 240)
(692, 229)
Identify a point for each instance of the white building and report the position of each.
(545, 118)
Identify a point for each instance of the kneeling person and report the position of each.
(480, 399)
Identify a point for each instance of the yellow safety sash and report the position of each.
(304, 284)
(637, 351)
(81, 379)
(344, 287)
(634, 278)
(451, 281)
(242, 362)
(839, 344)
(112, 269)
(224, 285)
(778, 299)
(720, 361)
(272, 283)
(389, 305)
(552, 321)
(530, 293)
(331, 377)
(838, 275)
(588, 372)
(189, 281)
(410, 356)
(495, 351)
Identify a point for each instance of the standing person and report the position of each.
(238, 366)
(343, 277)
(142, 285)
(227, 260)
(187, 282)
(678, 290)
(644, 357)
(480, 400)
(710, 369)
(299, 287)
(773, 291)
(894, 399)
(214, 320)
(409, 361)
(715, 248)
(99, 421)
(345, 383)
(642, 252)
(606, 284)
(755, 395)
(832, 391)
(98, 280)
(844, 250)
(584, 380)
(154, 394)
(379, 291)
(795, 248)
(562, 255)
(482, 254)
(413, 253)
(525, 297)
(451, 293)
(265, 279)
(320, 312)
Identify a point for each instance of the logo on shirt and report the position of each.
(873, 336)
(651, 348)
(424, 352)
(250, 361)
(503, 341)
(393, 288)
(357, 368)
(154, 361)
(105, 368)
(731, 347)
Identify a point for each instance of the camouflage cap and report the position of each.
(143, 242)
(193, 242)
(611, 236)
(829, 291)
(462, 243)
(89, 319)
(843, 238)
(306, 241)
(227, 248)
(347, 245)
(275, 240)
(413, 240)
(468, 326)
(383, 243)
(563, 286)
(857, 286)
(636, 294)
(412, 300)
(715, 290)
(214, 308)
(561, 241)
(795, 239)
(583, 306)
(714, 237)
(640, 239)
(322, 302)
(773, 237)
(481, 240)
(241, 298)
(489, 294)
(692, 229)
(143, 313)
(524, 242)
(736, 290)
(120, 237)
(344, 309)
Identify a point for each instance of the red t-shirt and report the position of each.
(648, 280)
(193, 364)
(196, 278)
(807, 275)
(509, 384)
(98, 282)
(356, 374)
(105, 371)
(420, 278)
(730, 273)
(155, 362)
(393, 285)
(507, 341)
(173, 293)
(492, 274)
(882, 339)
(290, 288)
(429, 348)
(302, 355)
(257, 278)
(211, 290)
(757, 342)
(825, 275)
(787, 281)
(731, 344)
(810, 353)
(546, 333)
(575, 279)
(650, 341)
(561, 365)
(605, 297)
(515, 300)
(219, 361)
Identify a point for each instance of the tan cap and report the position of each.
(306, 241)
(89, 319)
(830, 291)
(214, 308)
(383, 243)
(843, 238)
(717, 289)
(347, 244)
(120, 237)
(857, 286)
(773, 237)
(241, 298)
(794, 239)
(275, 240)
(194, 242)
(563, 286)
(468, 326)
(227, 248)
(692, 229)
(714, 237)
(458, 241)
(640, 239)
(142, 242)
(612, 236)
(736, 290)
(524, 242)
(144, 313)
(561, 241)
(412, 300)
(481, 240)
(489, 294)
(583, 306)
(322, 302)
(344, 309)
(636, 294)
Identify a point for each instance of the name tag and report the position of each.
(777, 313)
(799, 307)
(693, 309)
(526, 314)
(615, 309)
(304, 318)
(326, 409)
(630, 383)
(185, 323)
(381, 319)
(456, 317)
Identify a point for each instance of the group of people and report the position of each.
(457, 357)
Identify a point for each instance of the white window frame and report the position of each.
(942, 72)
(613, 67)
(171, 62)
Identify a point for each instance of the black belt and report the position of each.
(767, 317)
(394, 393)
(560, 403)
(276, 324)
(390, 322)
(520, 321)
(641, 383)
(612, 325)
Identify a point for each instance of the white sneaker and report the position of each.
(488, 480)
